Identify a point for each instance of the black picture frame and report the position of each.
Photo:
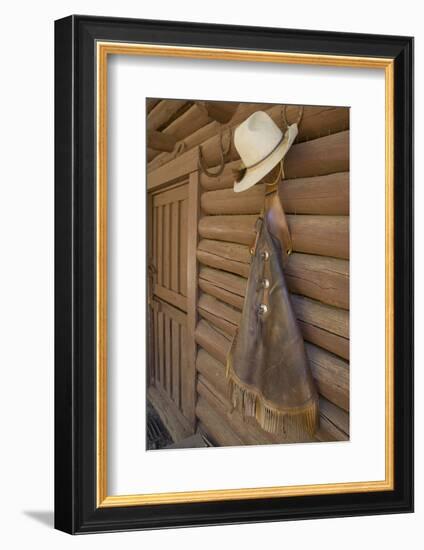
(76, 510)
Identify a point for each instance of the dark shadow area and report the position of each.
(46, 517)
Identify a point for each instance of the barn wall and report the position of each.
(315, 195)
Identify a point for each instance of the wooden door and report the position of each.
(173, 306)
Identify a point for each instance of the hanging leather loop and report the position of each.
(223, 154)
(284, 116)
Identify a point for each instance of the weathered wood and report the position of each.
(168, 355)
(213, 342)
(211, 131)
(334, 423)
(169, 413)
(159, 274)
(331, 374)
(175, 338)
(246, 428)
(192, 291)
(151, 154)
(311, 333)
(332, 321)
(324, 339)
(183, 247)
(175, 248)
(150, 103)
(229, 282)
(325, 279)
(174, 194)
(166, 245)
(221, 111)
(329, 318)
(211, 421)
(317, 157)
(322, 235)
(160, 141)
(315, 122)
(175, 170)
(161, 342)
(213, 260)
(225, 328)
(221, 293)
(219, 309)
(163, 112)
(213, 371)
(327, 195)
(223, 181)
(190, 121)
(235, 229)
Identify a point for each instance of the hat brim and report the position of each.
(255, 174)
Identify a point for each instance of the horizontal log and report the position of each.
(151, 154)
(324, 339)
(247, 428)
(222, 326)
(331, 375)
(330, 372)
(160, 141)
(334, 422)
(227, 281)
(325, 155)
(221, 111)
(318, 277)
(227, 256)
(219, 309)
(210, 132)
(235, 229)
(316, 121)
(321, 324)
(213, 372)
(221, 293)
(189, 122)
(329, 318)
(322, 235)
(311, 333)
(327, 195)
(211, 422)
(324, 279)
(212, 341)
(161, 113)
(223, 181)
(150, 103)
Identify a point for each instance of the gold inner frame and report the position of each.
(104, 49)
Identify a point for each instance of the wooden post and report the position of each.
(192, 296)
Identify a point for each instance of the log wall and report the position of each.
(315, 196)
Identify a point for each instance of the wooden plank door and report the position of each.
(173, 305)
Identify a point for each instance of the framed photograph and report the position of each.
(234, 274)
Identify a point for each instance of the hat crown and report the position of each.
(256, 138)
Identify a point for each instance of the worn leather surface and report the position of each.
(268, 352)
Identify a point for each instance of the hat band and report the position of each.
(240, 172)
(267, 156)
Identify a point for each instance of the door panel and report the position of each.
(170, 373)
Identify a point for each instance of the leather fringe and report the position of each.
(293, 422)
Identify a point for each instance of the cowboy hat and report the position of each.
(261, 146)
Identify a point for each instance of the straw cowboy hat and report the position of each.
(261, 146)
